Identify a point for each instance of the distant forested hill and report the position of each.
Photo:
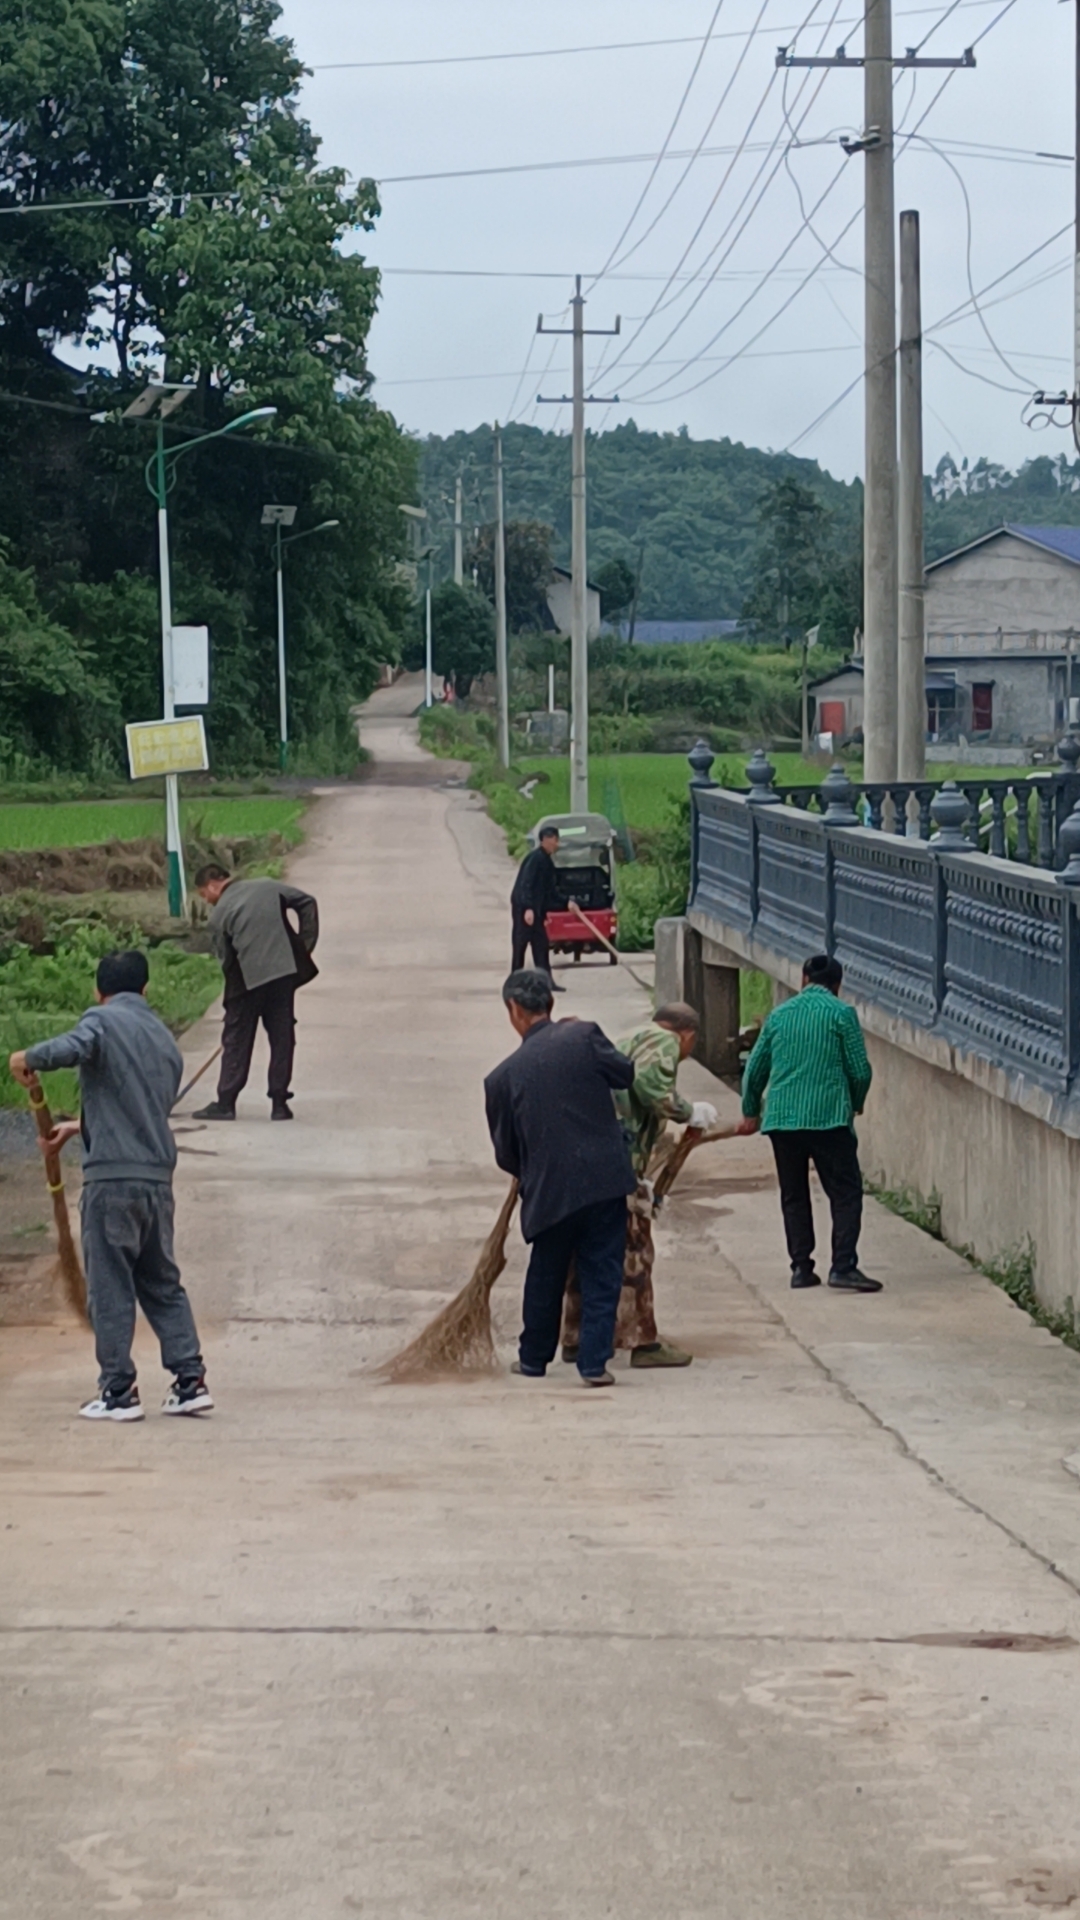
(689, 507)
(691, 503)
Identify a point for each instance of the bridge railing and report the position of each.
(982, 949)
(1015, 819)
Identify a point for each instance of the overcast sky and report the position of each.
(469, 262)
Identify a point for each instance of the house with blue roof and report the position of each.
(1002, 636)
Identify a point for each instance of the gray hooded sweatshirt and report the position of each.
(129, 1071)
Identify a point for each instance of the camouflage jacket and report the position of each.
(645, 1107)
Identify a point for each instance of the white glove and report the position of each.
(704, 1116)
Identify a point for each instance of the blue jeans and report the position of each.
(595, 1239)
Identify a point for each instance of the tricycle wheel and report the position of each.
(577, 955)
(613, 959)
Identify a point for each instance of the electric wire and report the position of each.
(643, 195)
(661, 303)
(698, 150)
(603, 46)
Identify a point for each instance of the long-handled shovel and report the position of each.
(70, 1265)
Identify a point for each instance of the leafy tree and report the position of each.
(528, 571)
(462, 634)
(234, 278)
(616, 580)
(791, 564)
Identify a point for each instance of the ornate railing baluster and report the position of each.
(1023, 793)
(998, 791)
(1044, 801)
(973, 796)
(925, 795)
(875, 797)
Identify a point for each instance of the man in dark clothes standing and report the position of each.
(264, 959)
(129, 1071)
(553, 1126)
(532, 900)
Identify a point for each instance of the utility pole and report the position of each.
(880, 532)
(911, 659)
(579, 583)
(502, 688)
(880, 521)
(459, 569)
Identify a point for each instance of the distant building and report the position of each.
(559, 601)
(663, 632)
(1002, 627)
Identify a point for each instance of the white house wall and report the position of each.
(1002, 597)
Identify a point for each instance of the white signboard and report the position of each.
(191, 666)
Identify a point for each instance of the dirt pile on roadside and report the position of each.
(118, 866)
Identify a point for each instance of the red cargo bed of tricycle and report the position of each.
(566, 933)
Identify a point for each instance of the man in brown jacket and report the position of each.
(264, 959)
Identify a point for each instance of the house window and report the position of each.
(982, 706)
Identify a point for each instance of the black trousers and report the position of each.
(835, 1153)
(273, 1005)
(525, 936)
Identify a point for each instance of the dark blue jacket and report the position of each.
(553, 1123)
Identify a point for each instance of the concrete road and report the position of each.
(789, 1636)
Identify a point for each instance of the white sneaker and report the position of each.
(191, 1396)
(127, 1407)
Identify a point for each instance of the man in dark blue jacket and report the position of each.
(553, 1126)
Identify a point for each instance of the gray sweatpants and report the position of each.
(127, 1239)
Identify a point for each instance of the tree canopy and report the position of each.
(223, 256)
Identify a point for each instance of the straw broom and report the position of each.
(458, 1340)
(70, 1266)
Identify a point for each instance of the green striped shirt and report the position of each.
(811, 1057)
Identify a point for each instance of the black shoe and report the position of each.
(556, 988)
(215, 1111)
(279, 1111)
(805, 1277)
(527, 1373)
(853, 1281)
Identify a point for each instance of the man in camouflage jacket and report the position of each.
(645, 1109)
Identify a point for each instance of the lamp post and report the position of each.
(161, 399)
(417, 514)
(278, 517)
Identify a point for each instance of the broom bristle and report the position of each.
(458, 1340)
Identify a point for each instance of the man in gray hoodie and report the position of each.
(129, 1072)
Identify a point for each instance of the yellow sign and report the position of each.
(166, 746)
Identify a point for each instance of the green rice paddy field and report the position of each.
(89, 823)
(647, 783)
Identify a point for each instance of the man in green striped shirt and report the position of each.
(810, 1070)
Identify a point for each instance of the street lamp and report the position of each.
(161, 399)
(278, 517)
(418, 514)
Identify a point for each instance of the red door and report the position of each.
(982, 707)
(832, 716)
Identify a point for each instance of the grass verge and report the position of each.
(87, 823)
(44, 994)
(1013, 1270)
